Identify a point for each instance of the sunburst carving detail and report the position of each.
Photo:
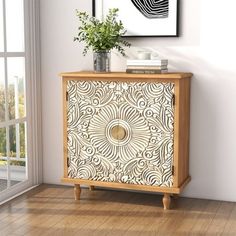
(142, 153)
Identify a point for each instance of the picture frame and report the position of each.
(143, 18)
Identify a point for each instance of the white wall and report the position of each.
(206, 47)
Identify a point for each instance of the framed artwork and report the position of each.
(150, 18)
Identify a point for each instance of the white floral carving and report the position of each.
(143, 110)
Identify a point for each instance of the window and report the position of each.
(16, 81)
(13, 120)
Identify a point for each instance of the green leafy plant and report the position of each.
(101, 35)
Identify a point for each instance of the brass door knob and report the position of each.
(118, 132)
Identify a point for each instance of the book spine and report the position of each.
(147, 64)
(147, 61)
(164, 67)
(140, 71)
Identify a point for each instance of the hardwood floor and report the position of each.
(51, 210)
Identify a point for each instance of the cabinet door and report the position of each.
(121, 132)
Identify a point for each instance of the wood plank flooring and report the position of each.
(51, 210)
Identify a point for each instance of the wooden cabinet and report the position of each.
(127, 131)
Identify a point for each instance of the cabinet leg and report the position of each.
(77, 191)
(91, 188)
(166, 201)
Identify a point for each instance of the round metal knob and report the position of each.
(118, 132)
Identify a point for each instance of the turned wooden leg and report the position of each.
(91, 188)
(77, 191)
(166, 201)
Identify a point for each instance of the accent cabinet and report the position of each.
(127, 131)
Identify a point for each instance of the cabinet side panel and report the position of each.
(184, 122)
(175, 169)
(64, 97)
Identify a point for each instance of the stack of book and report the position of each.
(155, 66)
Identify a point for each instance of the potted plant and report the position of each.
(101, 36)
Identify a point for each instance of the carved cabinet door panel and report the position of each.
(121, 132)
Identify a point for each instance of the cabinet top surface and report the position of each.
(123, 75)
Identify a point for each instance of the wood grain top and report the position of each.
(120, 75)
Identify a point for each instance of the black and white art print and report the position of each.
(143, 17)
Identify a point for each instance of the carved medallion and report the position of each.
(121, 132)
